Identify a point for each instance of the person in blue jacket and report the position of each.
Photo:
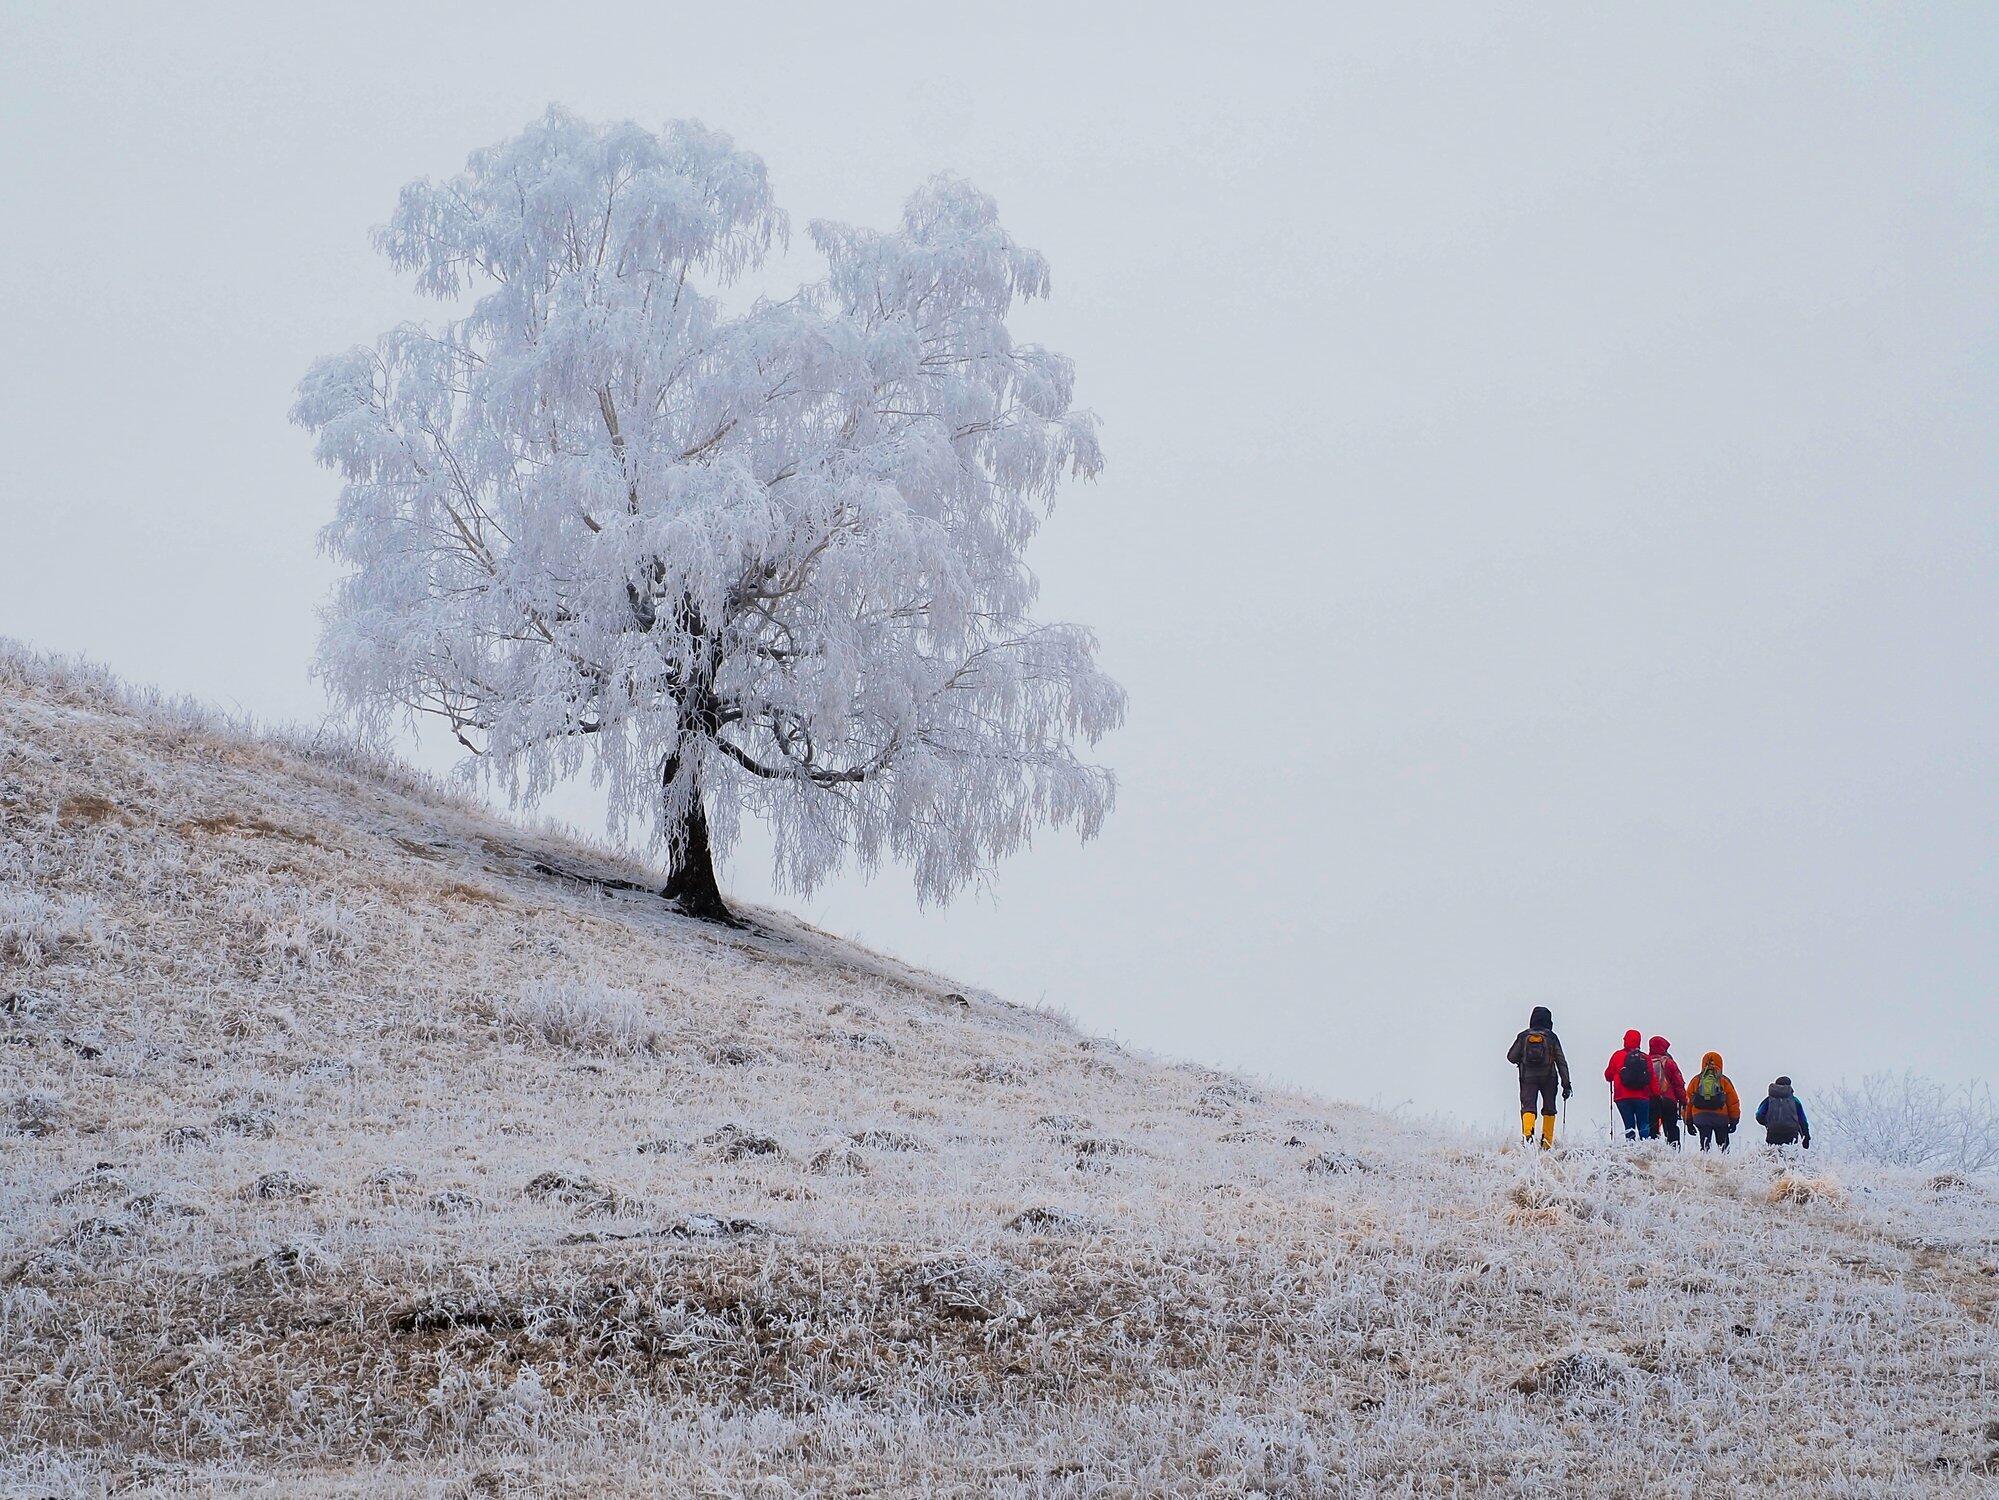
(1782, 1117)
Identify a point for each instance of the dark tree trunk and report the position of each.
(692, 884)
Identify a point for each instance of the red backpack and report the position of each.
(1662, 1081)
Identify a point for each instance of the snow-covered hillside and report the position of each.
(355, 1142)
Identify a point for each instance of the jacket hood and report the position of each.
(1711, 1060)
(1541, 1019)
(1659, 1046)
(1632, 1038)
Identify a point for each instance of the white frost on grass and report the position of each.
(35, 928)
(395, 1198)
(582, 1016)
(292, 927)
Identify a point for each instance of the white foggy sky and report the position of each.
(1549, 532)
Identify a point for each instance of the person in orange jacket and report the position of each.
(1714, 1109)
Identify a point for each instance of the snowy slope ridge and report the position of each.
(349, 1150)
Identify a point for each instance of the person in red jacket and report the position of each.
(1629, 1074)
(1668, 1089)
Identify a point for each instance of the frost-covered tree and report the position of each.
(766, 560)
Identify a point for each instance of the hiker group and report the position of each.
(1652, 1096)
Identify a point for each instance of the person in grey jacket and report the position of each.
(1537, 1053)
(1782, 1117)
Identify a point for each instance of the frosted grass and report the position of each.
(344, 1152)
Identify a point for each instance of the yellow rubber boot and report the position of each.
(1526, 1124)
(1547, 1132)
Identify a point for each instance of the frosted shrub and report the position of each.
(1911, 1121)
(17, 863)
(34, 928)
(455, 1405)
(469, 1401)
(582, 1016)
(290, 927)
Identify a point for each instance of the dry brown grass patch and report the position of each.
(222, 824)
(1796, 1187)
(89, 807)
(476, 895)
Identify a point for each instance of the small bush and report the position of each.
(734, 1143)
(992, 1070)
(1910, 1121)
(35, 928)
(35, 1112)
(1796, 1187)
(294, 931)
(838, 1161)
(582, 1017)
(1576, 1372)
